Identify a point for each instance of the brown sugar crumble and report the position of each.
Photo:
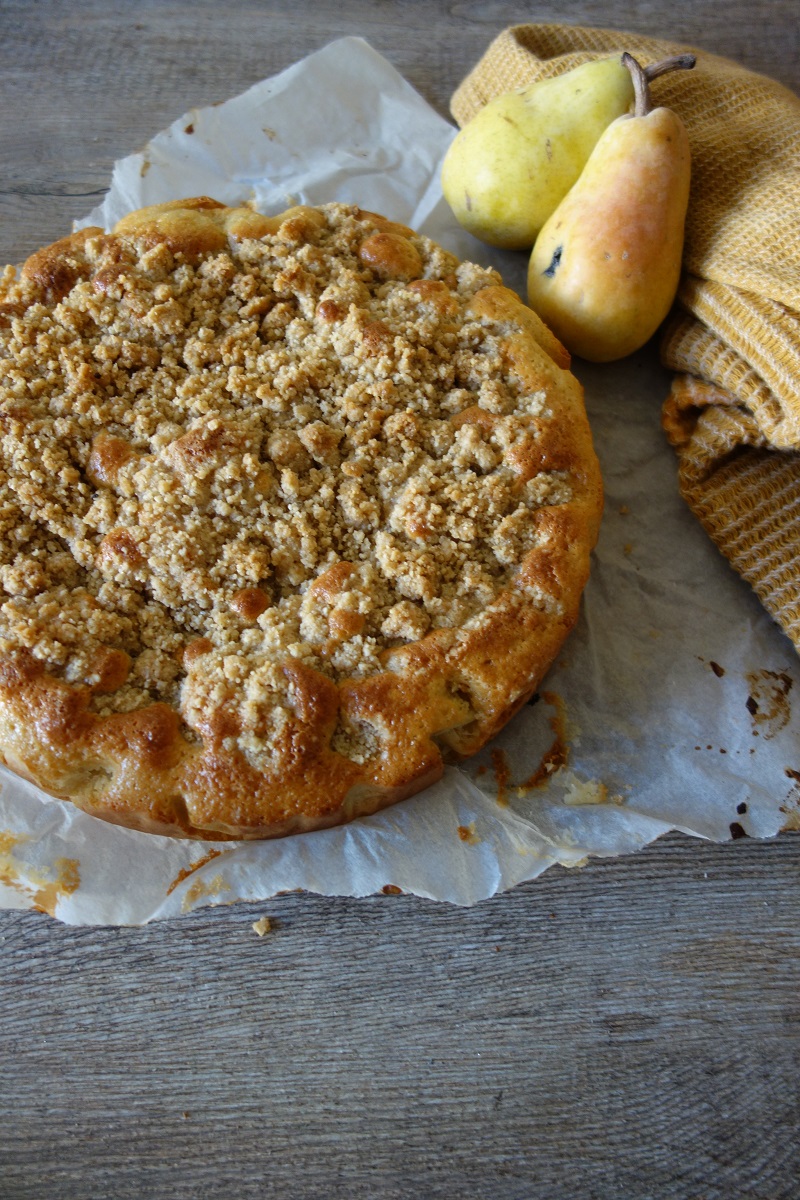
(211, 462)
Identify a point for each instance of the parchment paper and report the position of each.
(670, 706)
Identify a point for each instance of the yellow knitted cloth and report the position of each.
(733, 414)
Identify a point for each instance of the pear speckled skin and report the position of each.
(508, 169)
(605, 267)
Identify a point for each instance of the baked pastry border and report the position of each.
(437, 699)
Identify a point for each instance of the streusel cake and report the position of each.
(293, 508)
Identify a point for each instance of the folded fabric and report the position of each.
(733, 413)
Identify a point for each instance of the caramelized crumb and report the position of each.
(250, 603)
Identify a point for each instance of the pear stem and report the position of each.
(642, 77)
(675, 62)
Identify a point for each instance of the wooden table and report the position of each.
(627, 1030)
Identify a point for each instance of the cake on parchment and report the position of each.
(294, 508)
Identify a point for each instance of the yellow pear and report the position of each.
(606, 264)
(509, 167)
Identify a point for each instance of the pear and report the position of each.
(510, 166)
(605, 267)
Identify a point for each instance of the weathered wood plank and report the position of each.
(631, 1027)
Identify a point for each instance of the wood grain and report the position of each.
(631, 1029)
(628, 1029)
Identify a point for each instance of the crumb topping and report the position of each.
(299, 445)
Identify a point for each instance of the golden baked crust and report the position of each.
(291, 508)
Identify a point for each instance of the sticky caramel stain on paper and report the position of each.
(502, 775)
(768, 701)
(44, 892)
(204, 889)
(9, 840)
(467, 834)
(9, 871)
(554, 759)
(557, 755)
(66, 883)
(590, 791)
(791, 805)
(190, 870)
